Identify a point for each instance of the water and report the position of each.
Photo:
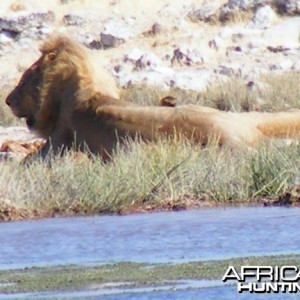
(157, 237)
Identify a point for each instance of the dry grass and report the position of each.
(273, 92)
(164, 174)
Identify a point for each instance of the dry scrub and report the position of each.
(272, 92)
(150, 176)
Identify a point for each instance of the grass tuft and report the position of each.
(162, 175)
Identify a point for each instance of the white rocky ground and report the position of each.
(169, 43)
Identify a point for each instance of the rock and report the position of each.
(110, 41)
(142, 60)
(206, 13)
(263, 18)
(94, 44)
(9, 29)
(21, 22)
(155, 29)
(229, 9)
(178, 57)
(225, 70)
(278, 49)
(187, 55)
(235, 52)
(246, 4)
(289, 7)
(73, 20)
(35, 19)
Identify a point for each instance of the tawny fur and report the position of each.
(66, 100)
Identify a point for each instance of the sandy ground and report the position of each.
(209, 46)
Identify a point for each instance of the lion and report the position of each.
(70, 103)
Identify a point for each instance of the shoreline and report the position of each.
(9, 213)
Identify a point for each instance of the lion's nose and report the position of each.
(8, 101)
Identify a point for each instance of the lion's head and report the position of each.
(28, 98)
(24, 100)
(64, 74)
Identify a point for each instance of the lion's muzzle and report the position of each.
(8, 100)
(15, 106)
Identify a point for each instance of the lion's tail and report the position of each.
(280, 124)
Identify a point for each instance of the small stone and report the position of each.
(110, 41)
(95, 45)
(155, 29)
(186, 55)
(278, 49)
(142, 60)
(224, 70)
(36, 19)
(73, 20)
(26, 23)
